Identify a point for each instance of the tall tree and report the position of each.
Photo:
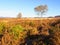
(41, 9)
(19, 15)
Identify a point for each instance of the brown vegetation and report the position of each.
(15, 31)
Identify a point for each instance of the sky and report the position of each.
(11, 8)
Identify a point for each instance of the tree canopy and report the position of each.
(41, 9)
(19, 15)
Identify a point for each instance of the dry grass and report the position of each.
(35, 30)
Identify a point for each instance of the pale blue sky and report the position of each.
(10, 8)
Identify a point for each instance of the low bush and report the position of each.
(16, 30)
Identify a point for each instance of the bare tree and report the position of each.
(41, 9)
(19, 15)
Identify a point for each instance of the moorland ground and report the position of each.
(29, 31)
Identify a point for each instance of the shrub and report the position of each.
(16, 30)
(31, 24)
(2, 26)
